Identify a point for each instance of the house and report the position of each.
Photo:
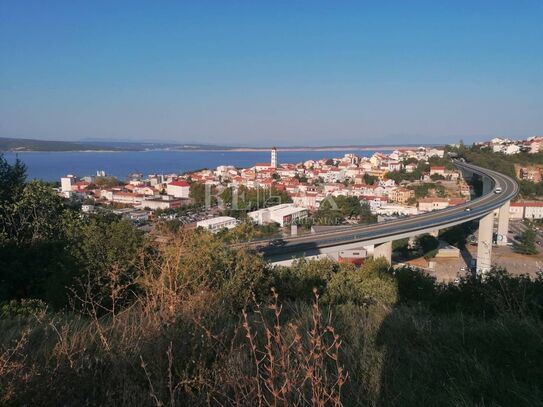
(394, 166)
(309, 200)
(432, 204)
(409, 168)
(375, 202)
(387, 183)
(217, 224)
(511, 149)
(532, 174)
(535, 144)
(401, 195)
(178, 189)
(262, 166)
(434, 152)
(395, 209)
(438, 170)
(516, 210)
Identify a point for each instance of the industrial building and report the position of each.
(284, 214)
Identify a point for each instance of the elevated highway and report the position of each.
(382, 234)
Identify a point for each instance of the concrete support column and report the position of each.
(383, 250)
(503, 224)
(484, 244)
(487, 185)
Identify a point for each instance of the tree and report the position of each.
(365, 216)
(527, 242)
(34, 262)
(106, 182)
(12, 180)
(197, 193)
(373, 284)
(369, 179)
(36, 215)
(106, 251)
(428, 244)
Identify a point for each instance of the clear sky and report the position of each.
(271, 72)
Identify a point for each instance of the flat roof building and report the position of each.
(284, 214)
(217, 224)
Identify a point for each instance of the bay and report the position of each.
(50, 166)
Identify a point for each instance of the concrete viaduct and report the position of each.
(498, 190)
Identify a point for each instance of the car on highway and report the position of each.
(467, 209)
(498, 190)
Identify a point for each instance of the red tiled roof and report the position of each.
(179, 184)
(531, 204)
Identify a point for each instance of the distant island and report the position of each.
(24, 144)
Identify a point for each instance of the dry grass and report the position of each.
(193, 335)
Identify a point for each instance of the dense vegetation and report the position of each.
(95, 314)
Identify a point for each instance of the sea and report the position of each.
(50, 166)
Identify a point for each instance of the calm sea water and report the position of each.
(50, 166)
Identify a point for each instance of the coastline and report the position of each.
(226, 150)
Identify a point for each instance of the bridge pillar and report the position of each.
(503, 224)
(487, 185)
(484, 244)
(383, 250)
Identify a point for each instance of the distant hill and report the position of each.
(22, 144)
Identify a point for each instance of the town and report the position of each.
(401, 183)
(287, 199)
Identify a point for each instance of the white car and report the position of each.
(498, 190)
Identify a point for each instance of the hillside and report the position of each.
(21, 144)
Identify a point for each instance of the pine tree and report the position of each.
(527, 242)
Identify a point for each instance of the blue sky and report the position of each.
(271, 72)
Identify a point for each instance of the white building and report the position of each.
(527, 210)
(66, 183)
(511, 149)
(284, 214)
(178, 189)
(164, 202)
(516, 210)
(393, 209)
(217, 224)
(433, 204)
(533, 210)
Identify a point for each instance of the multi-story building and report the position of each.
(401, 195)
(66, 183)
(178, 189)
